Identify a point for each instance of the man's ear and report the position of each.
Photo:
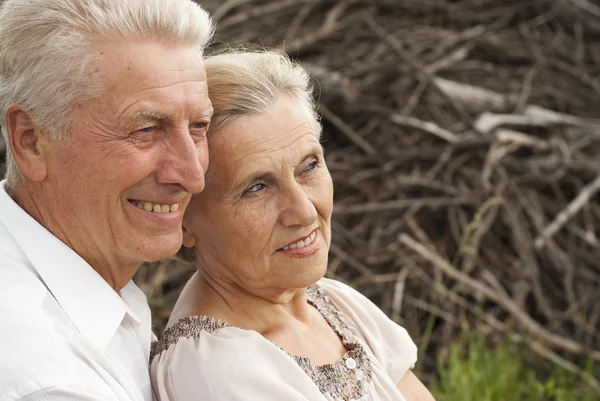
(189, 240)
(26, 143)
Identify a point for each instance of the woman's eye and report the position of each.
(311, 166)
(255, 188)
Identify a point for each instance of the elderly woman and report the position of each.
(258, 321)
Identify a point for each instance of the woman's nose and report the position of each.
(299, 209)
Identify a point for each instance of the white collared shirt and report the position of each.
(65, 334)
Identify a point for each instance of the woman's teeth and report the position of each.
(302, 243)
(156, 208)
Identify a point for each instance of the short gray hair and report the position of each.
(249, 82)
(47, 58)
(246, 83)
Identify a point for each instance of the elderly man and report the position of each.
(104, 108)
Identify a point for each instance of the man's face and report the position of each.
(120, 184)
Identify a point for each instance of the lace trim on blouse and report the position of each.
(348, 380)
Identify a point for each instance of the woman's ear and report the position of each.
(26, 143)
(189, 240)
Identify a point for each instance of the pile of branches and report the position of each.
(462, 139)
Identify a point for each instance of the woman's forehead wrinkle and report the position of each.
(243, 156)
(268, 152)
(278, 142)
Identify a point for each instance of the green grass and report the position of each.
(474, 371)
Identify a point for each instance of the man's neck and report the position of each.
(117, 275)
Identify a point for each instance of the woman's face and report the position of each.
(263, 220)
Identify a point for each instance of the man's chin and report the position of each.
(160, 249)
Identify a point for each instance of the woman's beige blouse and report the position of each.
(203, 359)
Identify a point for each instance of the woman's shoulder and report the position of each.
(205, 345)
(189, 327)
(199, 357)
(206, 341)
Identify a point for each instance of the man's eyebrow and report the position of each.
(152, 115)
(206, 114)
(158, 116)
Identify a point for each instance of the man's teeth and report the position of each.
(302, 243)
(156, 208)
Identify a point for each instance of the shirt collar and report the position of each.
(92, 305)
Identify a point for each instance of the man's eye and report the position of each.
(147, 129)
(255, 188)
(201, 125)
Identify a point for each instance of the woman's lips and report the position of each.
(303, 248)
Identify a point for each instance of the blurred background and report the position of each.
(463, 137)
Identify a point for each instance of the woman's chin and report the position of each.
(311, 276)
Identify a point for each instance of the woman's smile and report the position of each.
(303, 247)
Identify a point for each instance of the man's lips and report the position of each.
(157, 207)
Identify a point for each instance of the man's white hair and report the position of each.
(48, 55)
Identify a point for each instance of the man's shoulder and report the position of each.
(34, 332)
(20, 286)
(35, 350)
(8, 246)
(39, 347)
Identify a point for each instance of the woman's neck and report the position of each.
(261, 311)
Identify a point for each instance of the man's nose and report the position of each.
(183, 162)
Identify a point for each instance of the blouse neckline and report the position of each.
(347, 379)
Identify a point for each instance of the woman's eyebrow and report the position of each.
(262, 175)
(267, 175)
(315, 149)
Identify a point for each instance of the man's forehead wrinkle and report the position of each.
(154, 86)
(161, 79)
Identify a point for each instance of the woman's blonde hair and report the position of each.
(244, 83)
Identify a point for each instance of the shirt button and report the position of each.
(350, 363)
(360, 374)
